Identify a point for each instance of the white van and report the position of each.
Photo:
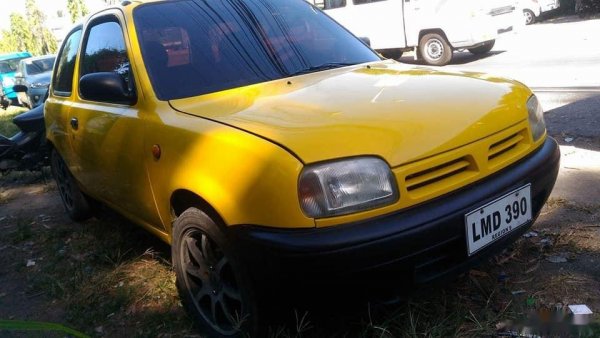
(434, 28)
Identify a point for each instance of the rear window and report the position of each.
(197, 47)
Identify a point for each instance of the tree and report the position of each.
(77, 9)
(28, 33)
(22, 35)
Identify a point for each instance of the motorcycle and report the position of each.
(28, 149)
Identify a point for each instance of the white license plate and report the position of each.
(497, 218)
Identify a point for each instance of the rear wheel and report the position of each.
(435, 50)
(484, 48)
(74, 201)
(212, 283)
(394, 53)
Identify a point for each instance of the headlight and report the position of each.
(8, 82)
(346, 186)
(536, 118)
(40, 85)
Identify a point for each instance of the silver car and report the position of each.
(34, 73)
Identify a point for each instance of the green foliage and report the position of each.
(45, 43)
(7, 128)
(21, 325)
(27, 33)
(77, 9)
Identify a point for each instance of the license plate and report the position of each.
(497, 218)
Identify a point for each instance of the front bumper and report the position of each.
(35, 96)
(417, 245)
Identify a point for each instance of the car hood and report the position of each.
(386, 109)
(39, 78)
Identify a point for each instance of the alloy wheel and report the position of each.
(211, 283)
(63, 181)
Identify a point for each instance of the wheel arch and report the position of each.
(183, 199)
(437, 31)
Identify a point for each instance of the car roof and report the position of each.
(41, 57)
(15, 55)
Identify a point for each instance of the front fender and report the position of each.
(243, 177)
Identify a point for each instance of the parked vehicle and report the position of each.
(34, 73)
(8, 67)
(532, 9)
(27, 149)
(434, 29)
(272, 149)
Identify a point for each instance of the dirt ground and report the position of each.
(98, 277)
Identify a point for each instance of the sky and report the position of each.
(49, 7)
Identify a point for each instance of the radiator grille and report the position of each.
(436, 174)
(505, 146)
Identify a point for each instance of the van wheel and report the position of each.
(75, 203)
(529, 16)
(435, 50)
(485, 48)
(212, 283)
(394, 53)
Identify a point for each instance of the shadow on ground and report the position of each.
(459, 58)
(577, 123)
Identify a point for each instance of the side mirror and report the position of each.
(19, 89)
(366, 40)
(105, 87)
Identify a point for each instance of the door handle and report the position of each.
(74, 123)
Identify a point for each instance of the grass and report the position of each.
(7, 128)
(113, 279)
(38, 326)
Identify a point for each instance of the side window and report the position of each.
(331, 4)
(105, 51)
(62, 82)
(362, 2)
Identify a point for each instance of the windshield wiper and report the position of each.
(324, 66)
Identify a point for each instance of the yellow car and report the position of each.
(268, 145)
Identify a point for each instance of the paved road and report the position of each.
(560, 61)
(558, 53)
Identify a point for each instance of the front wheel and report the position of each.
(212, 283)
(529, 16)
(484, 48)
(435, 50)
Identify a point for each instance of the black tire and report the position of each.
(75, 203)
(485, 48)
(435, 50)
(213, 285)
(392, 53)
(529, 16)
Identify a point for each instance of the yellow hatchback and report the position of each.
(268, 145)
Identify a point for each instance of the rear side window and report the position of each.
(62, 83)
(105, 51)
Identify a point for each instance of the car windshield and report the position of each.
(9, 66)
(197, 47)
(39, 66)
